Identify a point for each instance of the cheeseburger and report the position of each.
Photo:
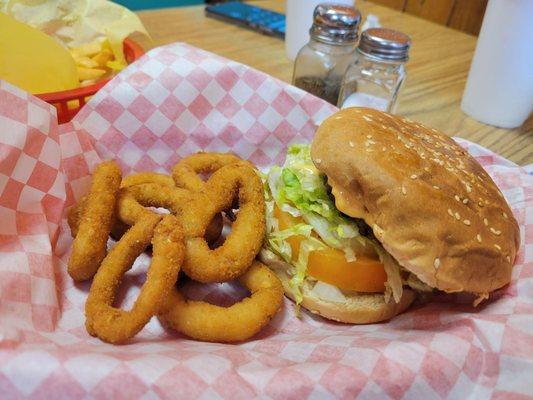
(378, 210)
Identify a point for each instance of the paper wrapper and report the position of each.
(77, 22)
(173, 102)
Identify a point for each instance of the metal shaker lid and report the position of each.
(386, 44)
(335, 23)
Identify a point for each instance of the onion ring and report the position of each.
(114, 325)
(203, 321)
(186, 172)
(74, 216)
(195, 210)
(236, 181)
(147, 177)
(129, 205)
(90, 244)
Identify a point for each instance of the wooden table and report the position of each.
(437, 70)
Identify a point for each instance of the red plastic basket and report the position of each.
(69, 102)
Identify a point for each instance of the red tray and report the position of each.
(69, 102)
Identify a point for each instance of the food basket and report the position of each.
(69, 102)
(178, 100)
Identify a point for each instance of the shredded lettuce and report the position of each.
(414, 283)
(394, 284)
(306, 247)
(328, 292)
(299, 189)
(277, 240)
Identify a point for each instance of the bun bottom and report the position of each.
(357, 309)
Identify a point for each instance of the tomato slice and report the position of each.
(365, 274)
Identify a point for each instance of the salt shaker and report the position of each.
(320, 65)
(298, 20)
(375, 77)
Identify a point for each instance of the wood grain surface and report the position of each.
(437, 70)
(465, 15)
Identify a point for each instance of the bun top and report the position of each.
(430, 204)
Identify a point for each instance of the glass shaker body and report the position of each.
(371, 82)
(319, 68)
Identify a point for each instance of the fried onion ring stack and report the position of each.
(130, 210)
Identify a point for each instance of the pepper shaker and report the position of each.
(320, 65)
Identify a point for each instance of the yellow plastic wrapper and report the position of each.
(33, 60)
(79, 23)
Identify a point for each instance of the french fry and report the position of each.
(116, 65)
(106, 45)
(102, 58)
(86, 62)
(90, 73)
(87, 49)
(95, 61)
(88, 82)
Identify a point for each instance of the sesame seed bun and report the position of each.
(358, 308)
(429, 203)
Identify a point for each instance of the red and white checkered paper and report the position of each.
(175, 101)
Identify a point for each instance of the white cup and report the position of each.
(499, 89)
(299, 18)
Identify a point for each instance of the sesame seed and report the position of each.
(369, 136)
(450, 211)
(498, 247)
(404, 191)
(465, 201)
(478, 237)
(413, 176)
(383, 126)
(466, 222)
(457, 198)
(352, 144)
(508, 259)
(436, 187)
(457, 216)
(384, 148)
(318, 160)
(485, 221)
(377, 230)
(468, 188)
(505, 215)
(436, 263)
(496, 232)
(366, 118)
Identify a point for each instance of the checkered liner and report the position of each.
(177, 100)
